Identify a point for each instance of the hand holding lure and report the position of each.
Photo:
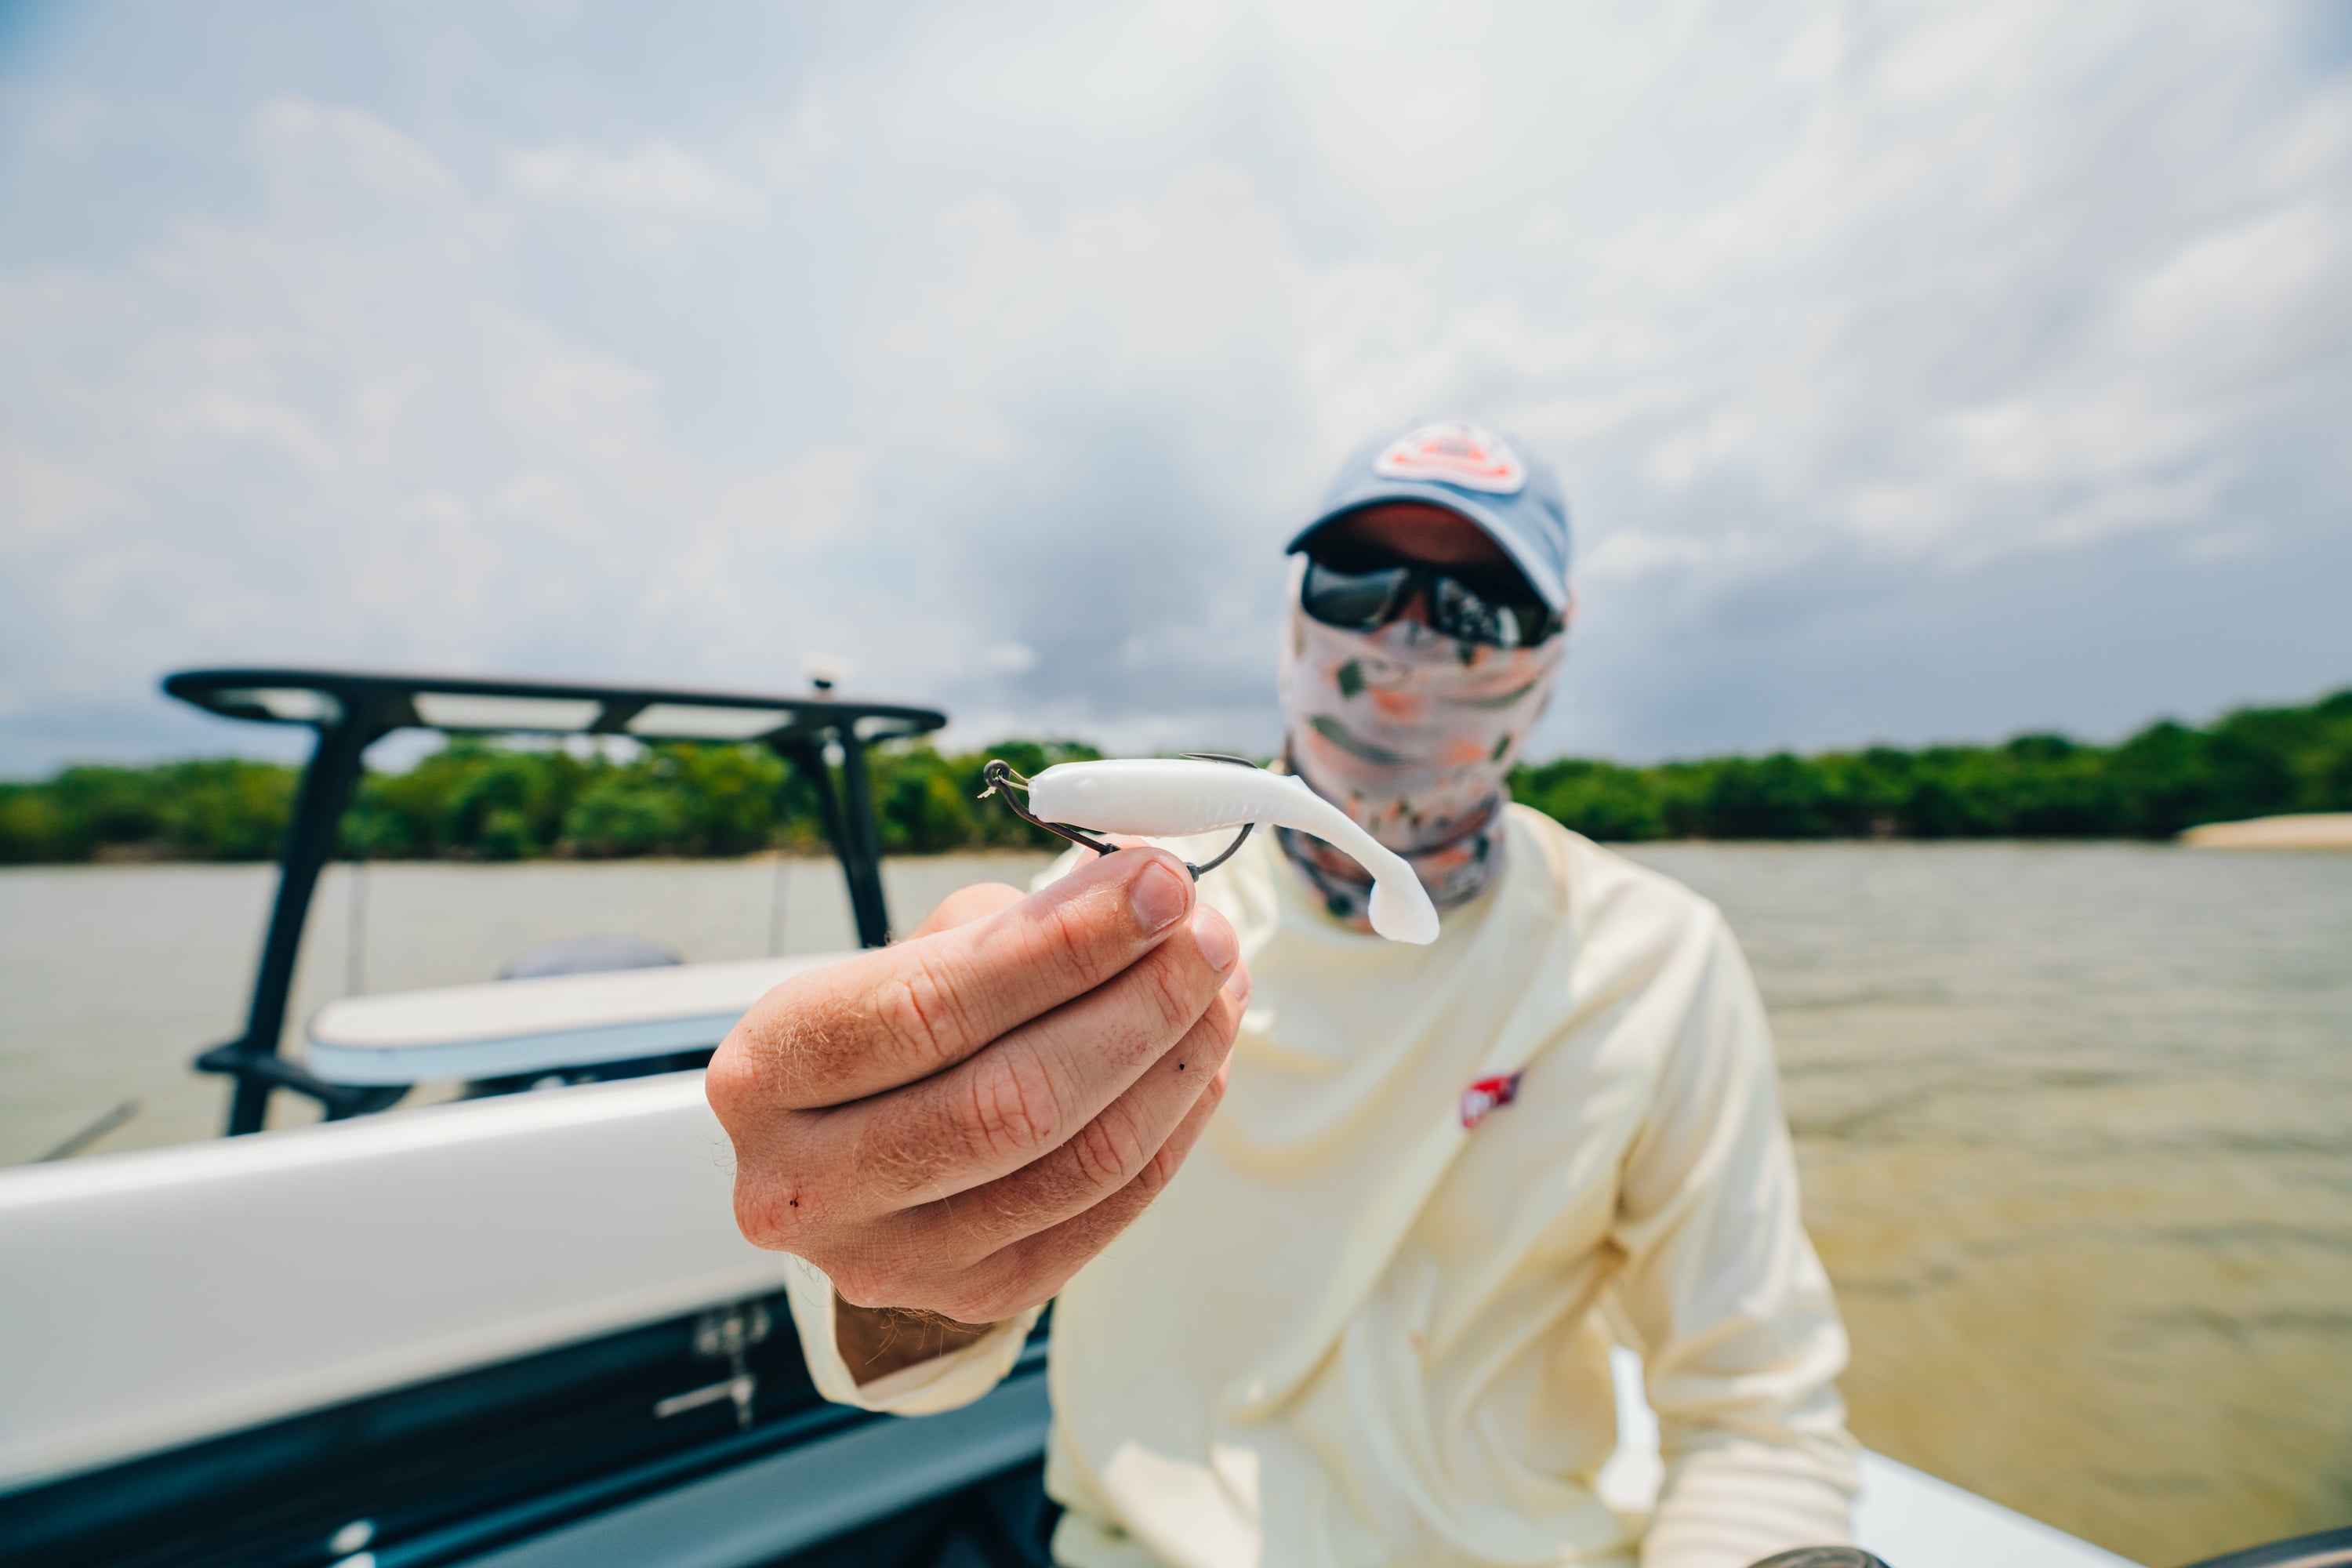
(1158, 797)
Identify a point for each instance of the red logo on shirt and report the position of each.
(1488, 1094)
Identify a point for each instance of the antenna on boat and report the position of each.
(825, 671)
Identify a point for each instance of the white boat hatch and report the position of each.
(321, 1263)
(510, 1028)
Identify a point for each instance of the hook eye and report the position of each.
(1002, 778)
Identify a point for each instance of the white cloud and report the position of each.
(322, 451)
(652, 189)
(1000, 349)
(1009, 657)
(816, 133)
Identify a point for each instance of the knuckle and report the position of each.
(1168, 1158)
(1010, 1108)
(919, 1009)
(730, 1083)
(1086, 928)
(890, 1156)
(1064, 939)
(998, 1289)
(1019, 1209)
(1172, 990)
(1214, 1095)
(968, 1304)
(765, 1214)
(783, 1197)
(1010, 1303)
(877, 1276)
(857, 1285)
(1105, 1151)
(1226, 1019)
(1158, 1171)
(1209, 1043)
(788, 1049)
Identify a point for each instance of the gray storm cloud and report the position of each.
(1916, 372)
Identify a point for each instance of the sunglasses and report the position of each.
(1359, 590)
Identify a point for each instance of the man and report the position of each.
(1369, 1324)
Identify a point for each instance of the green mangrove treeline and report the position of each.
(2255, 761)
(480, 800)
(477, 800)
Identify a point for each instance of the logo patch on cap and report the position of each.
(1455, 453)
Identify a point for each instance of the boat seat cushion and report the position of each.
(506, 1028)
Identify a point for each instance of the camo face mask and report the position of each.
(1411, 734)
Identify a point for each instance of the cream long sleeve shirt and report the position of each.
(1367, 1324)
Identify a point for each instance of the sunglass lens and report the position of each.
(1357, 600)
(1459, 613)
(1514, 622)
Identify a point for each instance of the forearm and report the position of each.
(878, 1341)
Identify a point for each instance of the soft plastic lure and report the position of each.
(1158, 797)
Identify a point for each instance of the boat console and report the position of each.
(350, 711)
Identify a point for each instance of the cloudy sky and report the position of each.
(1916, 372)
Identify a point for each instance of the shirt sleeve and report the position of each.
(944, 1383)
(1741, 1335)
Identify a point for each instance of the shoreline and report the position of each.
(2302, 830)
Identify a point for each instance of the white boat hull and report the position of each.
(165, 1297)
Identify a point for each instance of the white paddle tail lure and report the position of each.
(1155, 797)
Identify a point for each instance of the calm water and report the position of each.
(2076, 1122)
(2076, 1130)
(113, 976)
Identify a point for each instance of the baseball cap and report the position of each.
(1470, 470)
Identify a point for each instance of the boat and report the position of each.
(519, 1330)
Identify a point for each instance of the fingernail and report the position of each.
(1216, 940)
(1158, 897)
(1237, 985)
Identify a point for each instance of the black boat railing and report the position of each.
(350, 711)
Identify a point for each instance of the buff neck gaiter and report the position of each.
(1411, 733)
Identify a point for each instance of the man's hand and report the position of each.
(951, 1126)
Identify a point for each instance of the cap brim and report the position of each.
(1541, 574)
